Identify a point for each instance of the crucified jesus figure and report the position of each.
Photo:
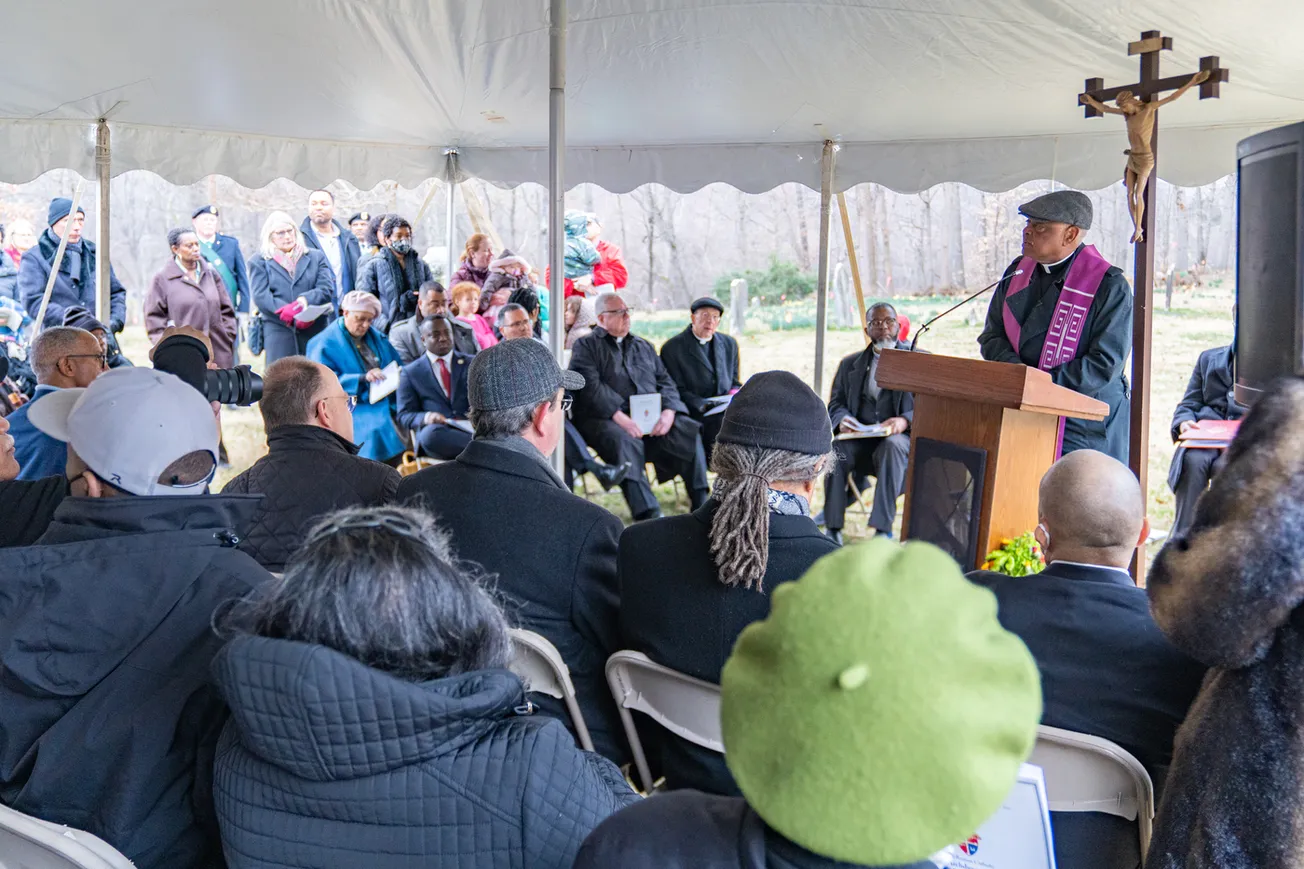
(1140, 116)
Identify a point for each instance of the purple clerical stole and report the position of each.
(1065, 332)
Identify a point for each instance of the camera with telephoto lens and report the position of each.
(186, 357)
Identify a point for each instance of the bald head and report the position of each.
(1092, 510)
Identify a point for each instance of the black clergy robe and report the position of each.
(702, 372)
(1098, 369)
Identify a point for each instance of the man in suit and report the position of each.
(321, 231)
(703, 363)
(63, 358)
(223, 253)
(857, 397)
(1208, 396)
(1058, 283)
(616, 365)
(432, 393)
(561, 584)
(1106, 669)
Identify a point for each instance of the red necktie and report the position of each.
(446, 378)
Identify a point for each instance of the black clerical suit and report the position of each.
(1096, 372)
(1106, 670)
(701, 371)
(1208, 396)
(613, 371)
(856, 394)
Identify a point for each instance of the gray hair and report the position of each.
(600, 305)
(507, 309)
(495, 424)
(54, 344)
(381, 585)
(740, 530)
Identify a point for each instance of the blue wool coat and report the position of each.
(373, 427)
(38, 454)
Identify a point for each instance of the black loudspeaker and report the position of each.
(1269, 260)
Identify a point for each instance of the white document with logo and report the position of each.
(645, 410)
(464, 425)
(382, 389)
(311, 313)
(1018, 836)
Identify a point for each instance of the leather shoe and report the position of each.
(835, 534)
(609, 476)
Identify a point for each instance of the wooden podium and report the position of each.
(1010, 411)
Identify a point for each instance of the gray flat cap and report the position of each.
(516, 373)
(1062, 206)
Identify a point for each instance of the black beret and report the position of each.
(707, 302)
(204, 209)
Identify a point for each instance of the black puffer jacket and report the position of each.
(308, 472)
(328, 763)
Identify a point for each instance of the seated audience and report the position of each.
(690, 584)
(358, 354)
(432, 393)
(703, 363)
(63, 358)
(432, 300)
(312, 466)
(189, 292)
(857, 398)
(1227, 593)
(79, 318)
(466, 301)
(615, 365)
(849, 722)
(581, 317)
(1208, 397)
(535, 304)
(561, 584)
(395, 274)
(474, 262)
(374, 721)
(285, 277)
(1106, 670)
(26, 506)
(514, 322)
(109, 717)
(507, 273)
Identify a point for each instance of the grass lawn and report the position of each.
(1201, 318)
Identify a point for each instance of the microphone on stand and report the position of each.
(964, 301)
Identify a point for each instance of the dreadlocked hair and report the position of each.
(740, 531)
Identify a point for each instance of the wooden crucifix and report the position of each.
(1140, 103)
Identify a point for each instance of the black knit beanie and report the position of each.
(775, 410)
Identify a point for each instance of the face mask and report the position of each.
(402, 246)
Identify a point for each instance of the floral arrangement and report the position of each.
(1018, 556)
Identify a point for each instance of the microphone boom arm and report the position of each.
(966, 300)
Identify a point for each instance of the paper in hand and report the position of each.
(383, 389)
(311, 313)
(645, 410)
(718, 404)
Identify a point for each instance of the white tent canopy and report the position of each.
(681, 92)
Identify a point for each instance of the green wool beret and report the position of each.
(881, 712)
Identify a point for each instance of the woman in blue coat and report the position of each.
(357, 353)
(285, 278)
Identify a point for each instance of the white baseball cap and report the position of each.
(129, 425)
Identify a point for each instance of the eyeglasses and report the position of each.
(882, 324)
(566, 403)
(103, 357)
(619, 312)
(350, 400)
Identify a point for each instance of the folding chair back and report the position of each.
(30, 843)
(539, 664)
(1089, 774)
(687, 707)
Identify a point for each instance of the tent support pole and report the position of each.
(103, 164)
(556, 189)
(822, 289)
(450, 179)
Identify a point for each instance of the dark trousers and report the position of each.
(442, 441)
(616, 447)
(578, 459)
(883, 458)
(1198, 468)
(280, 340)
(710, 431)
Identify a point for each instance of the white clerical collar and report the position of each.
(1118, 570)
(620, 340)
(1049, 266)
(704, 341)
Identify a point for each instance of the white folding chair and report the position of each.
(539, 664)
(687, 707)
(30, 843)
(1089, 774)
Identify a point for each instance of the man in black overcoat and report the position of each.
(1052, 242)
(704, 364)
(857, 397)
(617, 364)
(562, 583)
(1208, 397)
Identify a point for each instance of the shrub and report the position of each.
(782, 281)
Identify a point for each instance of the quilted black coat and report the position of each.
(328, 763)
(308, 472)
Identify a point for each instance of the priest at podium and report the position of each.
(1063, 308)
